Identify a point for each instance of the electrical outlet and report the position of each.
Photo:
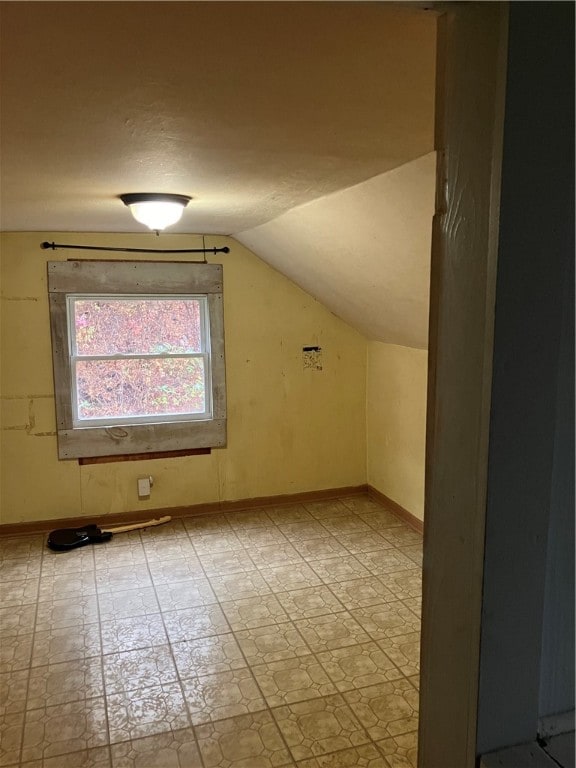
(144, 484)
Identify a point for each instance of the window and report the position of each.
(138, 353)
(138, 359)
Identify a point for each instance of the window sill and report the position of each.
(143, 456)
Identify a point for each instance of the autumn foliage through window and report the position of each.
(137, 357)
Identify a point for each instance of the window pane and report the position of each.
(140, 387)
(137, 326)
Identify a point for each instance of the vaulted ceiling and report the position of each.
(271, 115)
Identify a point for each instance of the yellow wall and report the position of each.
(396, 423)
(289, 429)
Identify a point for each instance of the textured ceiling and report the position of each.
(364, 252)
(305, 129)
(252, 108)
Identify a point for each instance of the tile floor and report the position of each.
(285, 636)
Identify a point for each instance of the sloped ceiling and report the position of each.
(364, 252)
(252, 108)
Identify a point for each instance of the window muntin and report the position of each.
(139, 358)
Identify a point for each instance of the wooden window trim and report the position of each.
(135, 277)
(144, 456)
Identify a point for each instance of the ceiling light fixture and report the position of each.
(156, 210)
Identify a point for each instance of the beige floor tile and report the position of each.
(13, 692)
(261, 537)
(291, 680)
(175, 749)
(128, 603)
(205, 525)
(386, 709)
(358, 666)
(121, 578)
(294, 576)
(129, 554)
(54, 646)
(11, 729)
(340, 569)
(380, 519)
(357, 543)
(326, 509)
(321, 601)
(14, 594)
(403, 536)
(177, 569)
(387, 620)
(21, 546)
(207, 656)
(63, 587)
(335, 630)
(185, 594)
(15, 653)
(404, 650)
(385, 561)
(138, 714)
(414, 552)
(312, 601)
(136, 670)
(180, 547)
(237, 586)
(405, 584)
(273, 555)
(401, 751)
(319, 726)
(361, 504)
(221, 563)
(17, 621)
(74, 561)
(415, 680)
(193, 623)
(360, 593)
(252, 612)
(249, 740)
(291, 513)
(19, 569)
(251, 518)
(64, 728)
(357, 757)
(133, 633)
(58, 614)
(304, 531)
(221, 696)
(346, 524)
(321, 549)
(64, 683)
(271, 643)
(415, 605)
(223, 541)
(99, 757)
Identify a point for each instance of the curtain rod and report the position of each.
(54, 246)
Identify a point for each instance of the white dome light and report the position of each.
(156, 211)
